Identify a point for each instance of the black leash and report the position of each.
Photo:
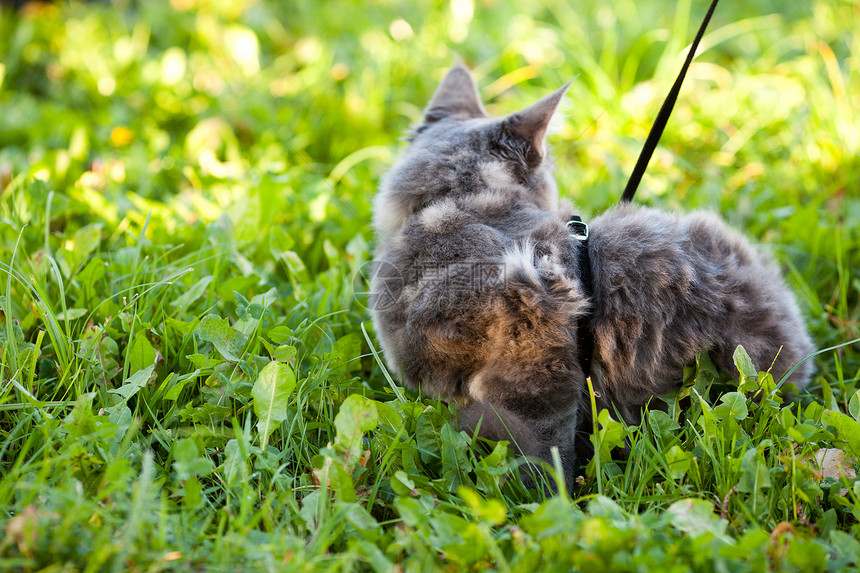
(579, 230)
(663, 116)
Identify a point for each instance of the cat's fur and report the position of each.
(477, 291)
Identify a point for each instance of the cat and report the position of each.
(479, 297)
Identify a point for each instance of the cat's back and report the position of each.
(664, 249)
(669, 285)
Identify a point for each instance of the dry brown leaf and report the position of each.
(833, 463)
(23, 529)
(829, 462)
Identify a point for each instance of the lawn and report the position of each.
(189, 378)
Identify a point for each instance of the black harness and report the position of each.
(584, 332)
(579, 230)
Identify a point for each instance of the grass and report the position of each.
(189, 376)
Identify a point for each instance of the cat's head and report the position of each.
(459, 150)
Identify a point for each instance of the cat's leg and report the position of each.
(775, 353)
(531, 438)
(769, 325)
(498, 424)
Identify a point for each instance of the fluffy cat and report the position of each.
(478, 298)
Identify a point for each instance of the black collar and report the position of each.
(584, 332)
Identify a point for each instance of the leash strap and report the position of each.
(663, 116)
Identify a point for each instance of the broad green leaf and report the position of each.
(235, 465)
(7, 326)
(802, 433)
(360, 519)
(786, 417)
(807, 554)
(371, 554)
(202, 361)
(295, 264)
(664, 427)
(311, 510)
(119, 415)
(854, 405)
(845, 544)
(696, 517)
(807, 490)
(357, 416)
(401, 484)
(813, 412)
(427, 434)
(72, 314)
(343, 358)
(490, 510)
(134, 383)
(679, 461)
(280, 334)
(279, 241)
(245, 309)
(345, 353)
(205, 413)
(734, 404)
(86, 241)
(285, 353)
(412, 512)
(743, 362)
(847, 429)
(610, 435)
(706, 373)
(603, 506)
(336, 476)
(552, 517)
(81, 422)
(462, 541)
(271, 393)
(455, 458)
(227, 341)
(180, 326)
(102, 352)
(767, 384)
(187, 460)
(748, 545)
(491, 470)
(176, 389)
(196, 291)
(142, 354)
(707, 421)
(193, 495)
(91, 273)
(754, 472)
(64, 260)
(389, 416)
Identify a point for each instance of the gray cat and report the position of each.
(478, 295)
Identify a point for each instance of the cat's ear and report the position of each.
(530, 125)
(457, 94)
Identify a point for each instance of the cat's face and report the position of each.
(458, 150)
